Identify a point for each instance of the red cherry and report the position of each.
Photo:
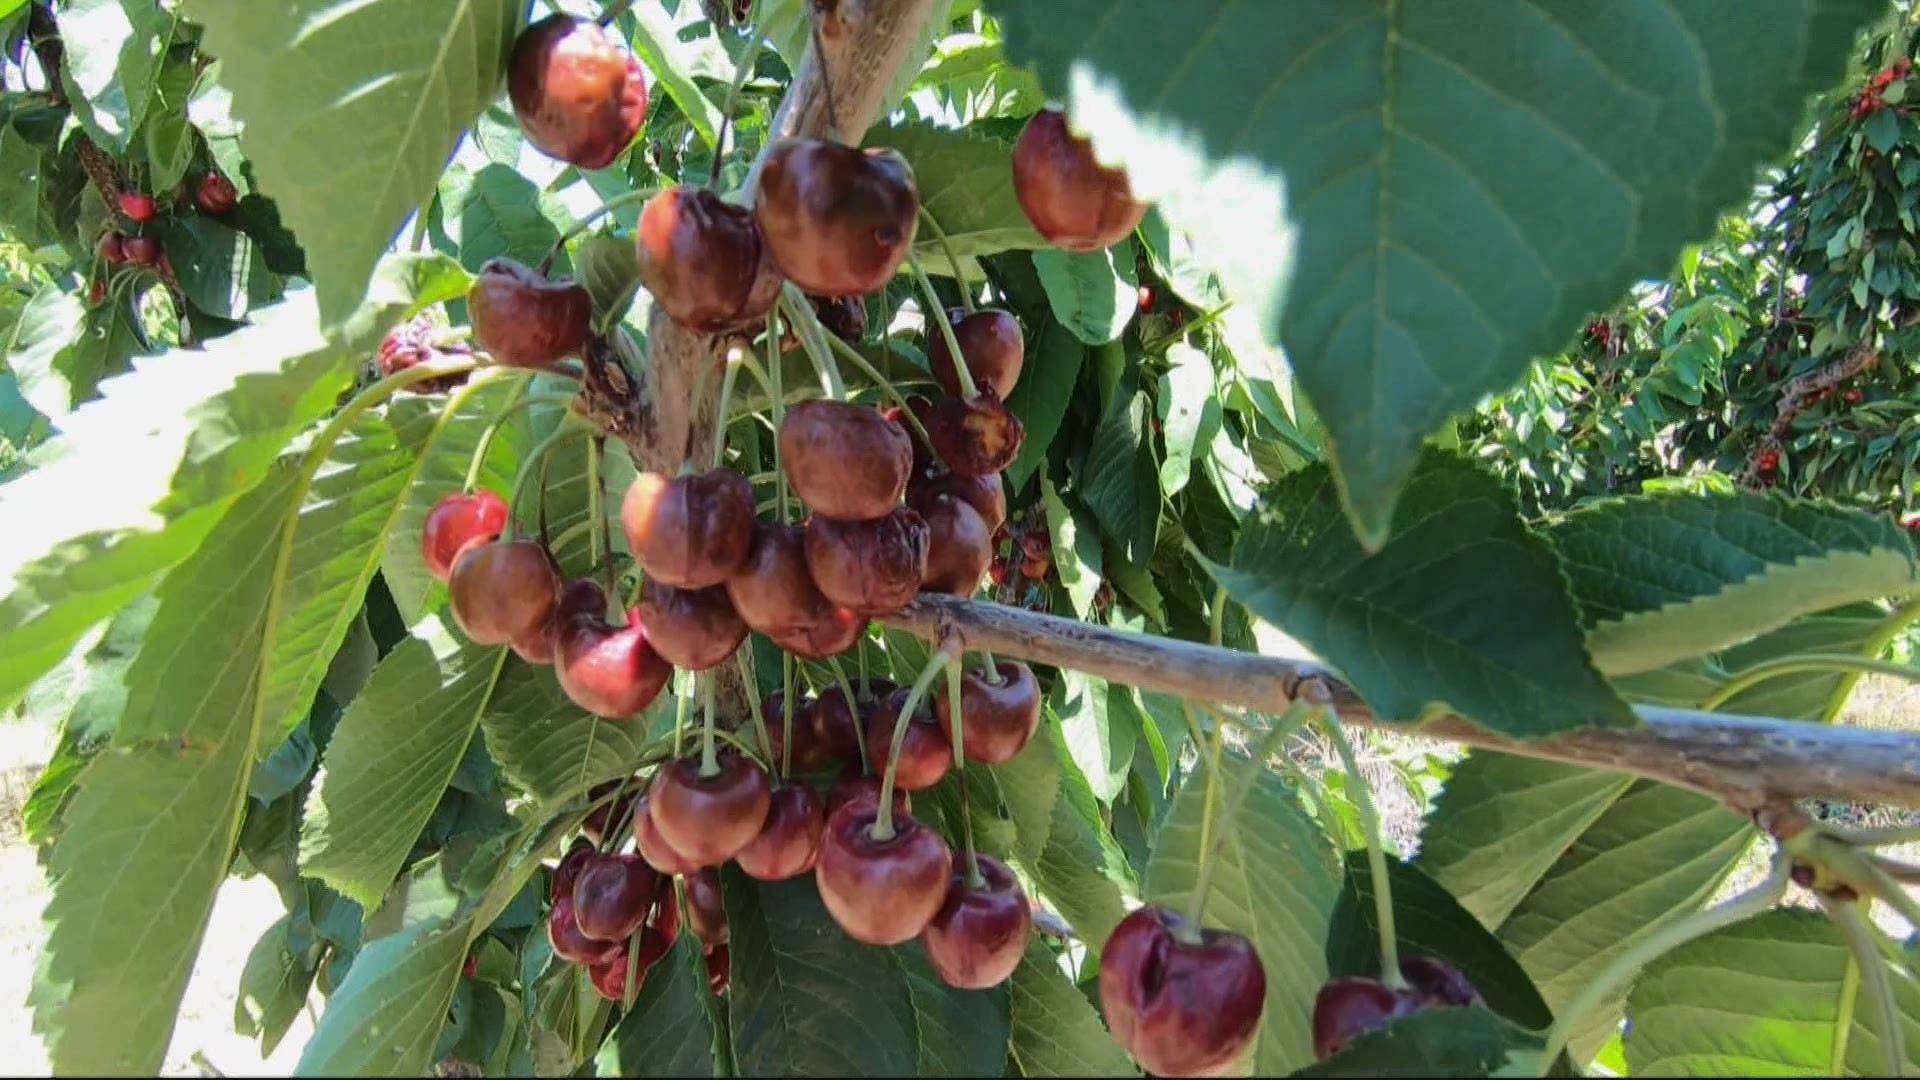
(991, 342)
(986, 494)
(455, 520)
(696, 629)
(502, 590)
(789, 842)
(607, 816)
(523, 320)
(881, 891)
(774, 593)
(659, 854)
(142, 250)
(808, 753)
(1145, 299)
(1072, 200)
(1180, 1007)
(216, 194)
(97, 293)
(837, 724)
(853, 787)
(111, 248)
(925, 754)
(868, 567)
(706, 908)
(976, 436)
(847, 462)
(980, 933)
(708, 819)
(577, 95)
(569, 944)
(470, 968)
(689, 531)
(138, 206)
(612, 895)
(959, 546)
(1347, 1008)
(838, 219)
(999, 718)
(608, 670)
(703, 260)
(568, 869)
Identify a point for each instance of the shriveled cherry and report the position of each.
(1072, 200)
(881, 890)
(838, 219)
(975, 436)
(706, 908)
(216, 194)
(455, 520)
(990, 341)
(986, 494)
(415, 342)
(1345, 1009)
(612, 895)
(653, 847)
(502, 589)
(577, 95)
(689, 531)
(959, 546)
(708, 819)
(563, 932)
(524, 320)
(774, 594)
(694, 629)
(789, 842)
(1183, 1003)
(845, 461)
(703, 260)
(998, 718)
(845, 317)
(868, 567)
(980, 933)
(925, 753)
(138, 206)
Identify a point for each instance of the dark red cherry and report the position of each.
(608, 670)
(659, 854)
(502, 590)
(845, 317)
(612, 896)
(525, 321)
(980, 933)
(569, 944)
(881, 891)
(789, 842)
(853, 787)
(986, 494)
(773, 591)
(837, 723)
(809, 755)
(925, 754)
(845, 461)
(959, 546)
(977, 436)
(456, 519)
(689, 531)
(1180, 1007)
(708, 819)
(703, 261)
(999, 719)
(838, 219)
(868, 567)
(1347, 1008)
(111, 248)
(706, 908)
(138, 206)
(216, 194)
(1072, 200)
(991, 342)
(610, 976)
(141, 250)
(666, 914)
(568, 869)
(577, 95)
(539, 647)
(1434, 982)
(694, 629)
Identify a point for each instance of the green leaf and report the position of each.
(392, 756)
(1055, 1030)
(1186, 400)
(1440, 1043)
(1029, 785)
(1100, 743)
(87, 712)
(969, 74)
(39, 355)
(349, 140)
(167, 134)
(550, 746)
(961, 1032)
(1753, 562)
(667, 1032)
(1119, 482)
(1394, 622)
(1094, 294)
(385, 1019)
(1431, 213)
(1762, 998)
(656, 40)
(966, 182)
(1040, 399)
(1274, 880)
(608, 267)
(114, 49)
(220, 270)
(1078, 866)
(495, 212)
(273, 988)
(1076, 550)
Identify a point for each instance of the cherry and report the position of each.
(1072, 200)
(708, 819)
(1432, 981)
(607, 816)
(845, 461)
(837, 723)
(868, 567)
(1180, 1007)
(789, 843)
(659, 854)
(845, 317)
(524, 320)
(577, 96)
(689, 531)
(991, 342)
(413, 343)
(718, 964)
(612, 895)
(853, 787)
(539, 647)
(838, 219)
(142, 250)
(138, 206)
(216, 194)
(111, 248)
(456, 519)
(96, 293)
(695, 629)
(569, 944)
(986, 494)
(703, 260)
(470, 969)
(706, 909)
(775, 595)
(976, 436)
(607, 670)
(922, 407)
(925, 753)
(569, 866)
(809, 753)
(1347, 1008)
(980, 933)
(881, 891)
(610, 976)
(503, 589)
(999, 718)
(959, 546)
(1035, 567)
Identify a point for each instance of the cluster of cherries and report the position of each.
(214, 195)
(1870, 98)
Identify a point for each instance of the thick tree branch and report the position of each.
(1746, 762)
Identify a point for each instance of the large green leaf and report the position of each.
(1661, 578)
(495, 212)
(1066, 851)
(966, 183)
(1040, 399)
(1436, 192)
(385, 1019)
(1100, 742)
(656, 40)
(1763, 997)
(1274, 880)
(391, 758)
(38, 355)
(219, 269)
(113, 53)
(668, 1032)
(961, 1032)
(1508, 655)
(553, 748)
(1119, 480)
(352, 108)
(1094, 294)
(1055, 1029)
(273, 987)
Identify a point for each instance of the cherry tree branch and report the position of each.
(1746, 762)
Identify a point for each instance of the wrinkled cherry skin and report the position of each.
(610, 671)
(959, 546)
(999, 720)
(1180, 1009)
(986, 494)
(1347, 1008)
(990, 340)
(525, 321)
(838, 219)
(845, 317)
(868, 567)
(706, 908)
(691, 531)
(837, 724)
(569, 944)
(925, 754)
(502, 590)
(977, 436)
(708, 819)
(703, 260)
(1071, 199)
(654, 848)
(845, 461)
(881, 892)
(413, 343)
(456, 519)
(694, 629)
(852, 787)
(978, 936)
(789, 843)
(1432, 982)
(775, 595)
(612, 895)
(578, 97)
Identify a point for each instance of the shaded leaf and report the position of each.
(1094, 294)
(965, 181)
(385, 1019)
(552, 747)
(667, 1033)
(1055, 1029)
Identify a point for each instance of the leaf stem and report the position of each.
(937, 313)
(973, 878)
(1791, 665)
(883, 825)
(946, 248)
(521, 400)
(1863, 945)
(853, 710)
(813, 339)
(1376, 857)
(755, 40)
(1202, 879)
(786, 714)
(1843, 1021)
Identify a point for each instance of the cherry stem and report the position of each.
(594, 496)
(786, 714)
(744, 657)
(611, 836)
(604, 519)
(546, 468)
(1217, 619)
(530, 467)
(607, 206)
(883, 825)
(709, 756)
(1189, 931)
(776, 362)
(866, 688)
(853, 709)
(992, 671)
(726, 399)
(1376, 856)
(515, 402)
(886, 387)
(751, 361)
(755, 40)
(974, 880)
(682, 705)
(1213, 840)
(813, 339)
(946, 248)
(1863, 944)
(937, 313)
(1793, 665)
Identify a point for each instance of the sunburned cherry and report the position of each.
(853, 787)
(868, 567)
(789, 842)
(569, 944)
(706, 908)
(991, 343)
(881, 890)
(524, 320)
(608, 670)
(959, 546)
(503, 589)
(216, 194)
(980, 933)
(845, 317)
(838, 219)
(703, 260)
(774, 594)
(612, 896)
(577, 95)
(689, 531)
(138, 206)
(694, 629)
(845, 461)
(142, 250)
(708, 819)
(925, 754)
(986, 494)
(1348, 1008)
(1072, 200)
(659, 854)
(998, 718)
(975, 436)
(1182, 1003)
(456, 519)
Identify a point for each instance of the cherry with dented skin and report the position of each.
(694, 629)
(845, 461)
(845, 317)
(838, 219)
(653, 847)
(703, 260)
(1071, 199)
(999, 717)
(980, 933)
(456, 519)
(975, 436)
(689, 531)
(990, 341)
(524, 320)
(1345, 1009)
(1183, 1003)
(881, 891)
(959, 546)
(925, 753)
(502, 589)
(789, 842)
(708, 819)
(706, 908)
(577, 95)
(612, 895)
(608, 670)
(868, 567)
(569, 944)
(986, 494)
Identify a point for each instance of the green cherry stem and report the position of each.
(883, 825)
(531, 467)
(751, 361)
(726, 398)
(775, 362)
(709, 754)
(1214, 830)
(610, 839)
(1376, 856)
(786, 714)
(992, 671)
(974, 880)
(608, 206)
(946, 248)
(1843, 1017)
(1217, 619)
(853, 709)
(852, 355)
(594, 495)
(744, 657)
(682, 710)
(937, 313)
(1863, 946)
(1793, 665)
(613, 11)
(813, 339)
(866, 688)
(755, 40)
(518, 399)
